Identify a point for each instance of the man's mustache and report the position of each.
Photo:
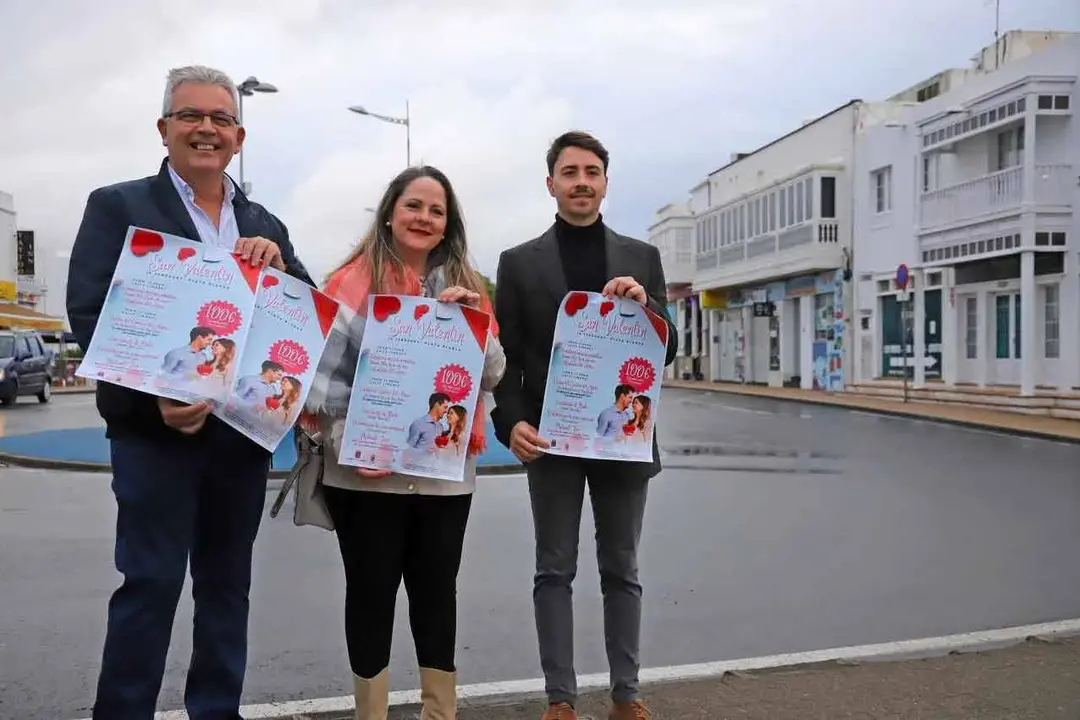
(582, 192)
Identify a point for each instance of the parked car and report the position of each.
(26, 366)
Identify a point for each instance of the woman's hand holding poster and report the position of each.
(603, 385)
(415, 388)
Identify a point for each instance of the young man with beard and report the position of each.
(187, 486)
(578, 252)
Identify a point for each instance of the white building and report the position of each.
(773, 248)
(975, 189)
(673, 235)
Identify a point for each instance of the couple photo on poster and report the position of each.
(205, 360)
(442, 430)
(628, 419)
(270, 399)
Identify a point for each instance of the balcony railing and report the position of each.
(997, 192)
(773, 244)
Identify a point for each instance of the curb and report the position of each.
(513, 692)
(889, 411)
(75, 391)
(27, 461)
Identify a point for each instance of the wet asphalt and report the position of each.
(776, 527)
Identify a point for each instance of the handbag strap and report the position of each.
(308, 448)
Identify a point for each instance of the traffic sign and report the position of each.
(902, 276)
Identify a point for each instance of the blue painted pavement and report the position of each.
(89, 445)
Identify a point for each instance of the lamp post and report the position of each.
(246, 89)
(361, 110)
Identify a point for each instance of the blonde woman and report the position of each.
(393, 528)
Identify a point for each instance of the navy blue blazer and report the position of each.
(153, 203)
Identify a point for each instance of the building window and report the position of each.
(930, 166)
(791, 205)
(882, 183)
(800, 211)
(1051, 324)
(808, 190)
(1010, 148)
(828, 197)
(772, 212)
(783, 208)
(971, 328)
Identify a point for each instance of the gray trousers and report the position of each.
(557, 491)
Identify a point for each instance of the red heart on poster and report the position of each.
(205, 368)
(606, 307)
(273, 402)
(628, 428)
(441, 441)
(185, 253)
(144, 242)
(576, 301)
(385, 306)
(421, 311)
(269, 281)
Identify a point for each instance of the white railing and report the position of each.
(991, 193)
(996, 192)
(770, 245)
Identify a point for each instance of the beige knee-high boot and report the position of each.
(438, 695)
(372, 696)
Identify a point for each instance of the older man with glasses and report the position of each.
(187, 486)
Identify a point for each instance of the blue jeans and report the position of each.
(177, 501)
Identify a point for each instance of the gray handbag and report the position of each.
(310, 504)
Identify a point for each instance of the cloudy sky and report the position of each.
(671, 87)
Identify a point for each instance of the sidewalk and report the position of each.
(1036, 680)
(1009, 422)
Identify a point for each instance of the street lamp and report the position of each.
(246, 89)
(361, 110)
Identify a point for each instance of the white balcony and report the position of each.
(805, 248)
(999, 193)
(678, 266)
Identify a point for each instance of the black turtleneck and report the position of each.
(583, 254)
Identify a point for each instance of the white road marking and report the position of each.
(514, 689)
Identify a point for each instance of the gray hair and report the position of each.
(196, 74)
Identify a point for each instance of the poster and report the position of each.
(172, 312)
(416, 385)
(290, 323)
(603, 385)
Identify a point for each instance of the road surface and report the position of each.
(777, 527)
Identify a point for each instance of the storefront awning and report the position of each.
(16, 317)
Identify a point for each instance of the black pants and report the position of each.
(385, 538)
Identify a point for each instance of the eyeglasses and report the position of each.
(195, 117)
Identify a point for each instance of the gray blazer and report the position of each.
(529, 287)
